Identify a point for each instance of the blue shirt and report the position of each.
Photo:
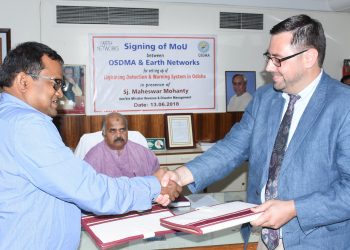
(43, 186)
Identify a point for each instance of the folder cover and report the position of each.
(213, 218)
(112, 230)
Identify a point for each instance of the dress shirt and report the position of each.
(132, 160)
(43, 186)
(300, 105)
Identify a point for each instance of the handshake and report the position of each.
(170, 186)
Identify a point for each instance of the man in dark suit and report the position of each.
(311, 209)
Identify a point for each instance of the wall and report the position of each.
(23, 18)
(236, 50)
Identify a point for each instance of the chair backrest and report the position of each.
(87, 141)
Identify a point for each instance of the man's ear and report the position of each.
(22, 82)
(310, 57)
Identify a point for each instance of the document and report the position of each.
(202, 200)
(181, 201)
(113, 230)
(212, 218)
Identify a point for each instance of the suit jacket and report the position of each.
(315, 172)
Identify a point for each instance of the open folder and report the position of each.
(112, 230)
(213, 218)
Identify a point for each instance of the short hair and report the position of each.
(26, 57)
(307, 33)
(241, 75)
(345, 78)
(104, 121)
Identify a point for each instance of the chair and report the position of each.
(87, 141)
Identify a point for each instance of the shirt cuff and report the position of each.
(155, 187)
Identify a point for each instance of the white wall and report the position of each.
(23, 17)
(236, 49)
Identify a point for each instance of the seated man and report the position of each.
(115, 156)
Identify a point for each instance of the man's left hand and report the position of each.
(275, 213)
(168, 193)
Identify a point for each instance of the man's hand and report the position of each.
(173, 190)
(170, 176)
(170, 191)
(182, 176)
(275, 214)
(160, 173)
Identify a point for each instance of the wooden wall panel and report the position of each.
(208, 127)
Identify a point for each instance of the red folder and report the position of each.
(213, 218)
(112, 230)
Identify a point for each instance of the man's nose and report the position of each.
(59, 93)
(270, 67)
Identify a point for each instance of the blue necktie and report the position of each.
(271, 236)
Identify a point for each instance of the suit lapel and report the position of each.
(310, 115)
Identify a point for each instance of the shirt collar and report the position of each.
(5, 97)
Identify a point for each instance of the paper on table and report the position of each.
(202, 200)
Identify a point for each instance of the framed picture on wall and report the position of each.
(179, 131)
(73, 101)
(240, 87)
(5, 43)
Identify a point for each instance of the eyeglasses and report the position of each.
(277, 61)
(57, 83)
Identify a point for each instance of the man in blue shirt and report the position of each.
(43, 187)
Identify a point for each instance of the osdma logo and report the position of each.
(203, 47)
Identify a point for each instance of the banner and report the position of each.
(152, 73)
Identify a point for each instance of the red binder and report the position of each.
(213, 218)
(112, 230)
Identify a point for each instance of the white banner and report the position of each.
(152, 73)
